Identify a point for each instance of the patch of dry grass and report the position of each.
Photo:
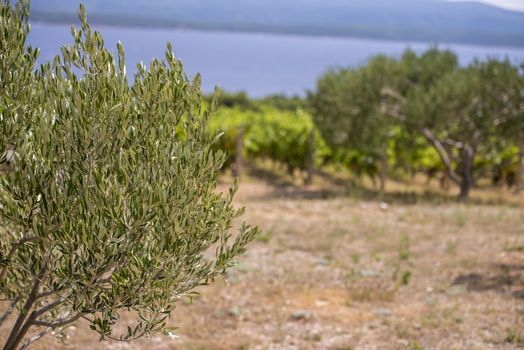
(329, 272)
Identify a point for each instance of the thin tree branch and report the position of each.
(127, 340)
(47, 308)
(47, 294)
(136, 336)
(453, 143)
(65, 299)
(35, 338)
(443, 153)
(57, 324)
(16, 334)
(9, 309)
(33, 322)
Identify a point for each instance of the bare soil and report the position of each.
(339, 271)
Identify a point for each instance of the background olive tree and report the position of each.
(109, 204)
(458, 114)
(383, 110)
(346, 107)
(511, 128)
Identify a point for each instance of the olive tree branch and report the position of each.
(47, 308)
(18, 330)
(57, 324)
(34, 338)
(443, 153)
(9, 309)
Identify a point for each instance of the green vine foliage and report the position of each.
(111, 203)
(270, 133)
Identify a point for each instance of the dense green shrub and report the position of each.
(269, 133)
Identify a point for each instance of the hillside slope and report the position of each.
(421, 20)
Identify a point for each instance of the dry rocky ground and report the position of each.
(331, 271)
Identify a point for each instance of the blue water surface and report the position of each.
(260, 64)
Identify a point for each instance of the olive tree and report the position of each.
(511, 129)
(347, 109)
(458, 114)
(109, 205)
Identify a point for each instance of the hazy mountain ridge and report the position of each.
(424, 20)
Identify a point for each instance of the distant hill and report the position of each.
(417, 20)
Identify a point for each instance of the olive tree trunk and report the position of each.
(520, 170)
(310, 158)
(467, 157)
(383, 173)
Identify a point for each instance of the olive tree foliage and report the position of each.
(511, 129)
(346, 106)
(459, 114)
(17, 83)
(109, 205)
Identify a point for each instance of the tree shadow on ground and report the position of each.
(418, 195)
(269, 176)
(286, 186)
(330, 185)
(506, 278)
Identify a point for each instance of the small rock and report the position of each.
(384, 206)
(234, 311)
(321, 303)
(458, 319)
(383, 312)
(301, 314)
(322, 262)
(219, 313)
(374, 325)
